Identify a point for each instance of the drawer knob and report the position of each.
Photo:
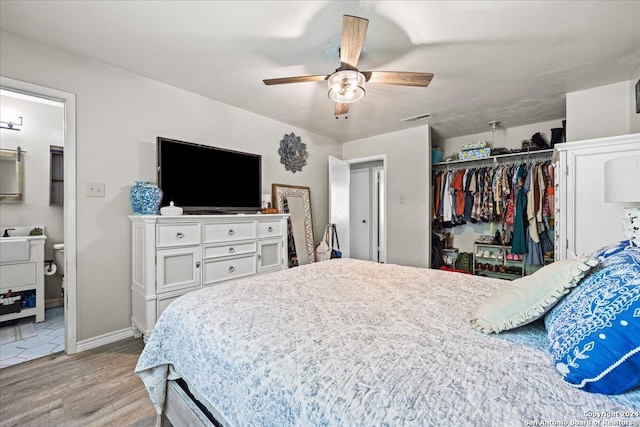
(198, 264)
(179, 235)
(270, 229)
(231, 232)
(232, 269)
(231, 250)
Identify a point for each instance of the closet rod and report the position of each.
(500, 158)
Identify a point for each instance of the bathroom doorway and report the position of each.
(47, 135)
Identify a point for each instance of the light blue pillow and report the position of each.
(594, 332)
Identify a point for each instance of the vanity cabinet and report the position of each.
(172, 255)
(22, 273)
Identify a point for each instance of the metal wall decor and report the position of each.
(293, 153)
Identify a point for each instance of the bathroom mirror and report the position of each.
(296, 201)
(11, 175)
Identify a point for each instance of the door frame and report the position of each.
(382, 203)
(70, 205)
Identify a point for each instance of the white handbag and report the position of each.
(323, 250)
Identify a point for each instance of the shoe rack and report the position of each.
(497, 261)
(450, 256)
(449, 253)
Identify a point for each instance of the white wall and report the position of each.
(119, 115)
(408, 181)
(599, 112)
(43, 126)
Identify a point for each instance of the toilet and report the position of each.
(58, 258)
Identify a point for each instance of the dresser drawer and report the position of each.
(227, 232)
(269, 228)
(218, 270)
(177, 234)
(230, 249)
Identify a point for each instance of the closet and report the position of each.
(513, 195)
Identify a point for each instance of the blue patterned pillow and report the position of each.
(594, 333)
(603, 253)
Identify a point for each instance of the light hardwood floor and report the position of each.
(93, 388)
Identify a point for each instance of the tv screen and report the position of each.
(205, 179)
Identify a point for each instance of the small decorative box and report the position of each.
(474, 145)
(478, 153)
(171, 210)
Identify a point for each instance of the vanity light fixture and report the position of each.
(11, 125)
(346, 86)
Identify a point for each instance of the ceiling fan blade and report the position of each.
(341, 108)
(354, 30)
(400, 78)
(298, 79)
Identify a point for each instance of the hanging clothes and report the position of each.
(509, 193)
(533, 199)
(533, 256)
(447, 202)
(468, 195)
(519, 243)
(458, 186)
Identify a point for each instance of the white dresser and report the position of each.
(172, 255)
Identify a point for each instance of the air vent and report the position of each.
(416, 118)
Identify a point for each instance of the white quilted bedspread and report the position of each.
(353, 343)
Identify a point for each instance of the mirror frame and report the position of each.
(16, 155)
(279, 192)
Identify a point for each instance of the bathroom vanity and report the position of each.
(22, 271)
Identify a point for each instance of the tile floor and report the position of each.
(50, 339)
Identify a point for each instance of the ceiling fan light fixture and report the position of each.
(346, 86)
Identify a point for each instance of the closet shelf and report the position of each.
(496, 158)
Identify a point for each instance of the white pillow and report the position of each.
(529, 298)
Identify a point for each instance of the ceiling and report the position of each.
(511, 61)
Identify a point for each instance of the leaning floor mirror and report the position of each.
(296, 201)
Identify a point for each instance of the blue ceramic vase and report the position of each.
(145, 198)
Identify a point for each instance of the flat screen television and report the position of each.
(203, 179)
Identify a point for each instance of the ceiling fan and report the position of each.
(347, 84)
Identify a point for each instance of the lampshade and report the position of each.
(346, 86)
(622, 180)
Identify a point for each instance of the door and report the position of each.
(270, 255)
(360, 214)
(339, 182)
(178, 269)
(367, 211)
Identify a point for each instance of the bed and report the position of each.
(355, 343)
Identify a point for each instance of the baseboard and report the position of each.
(56, 302)
(101, 340)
